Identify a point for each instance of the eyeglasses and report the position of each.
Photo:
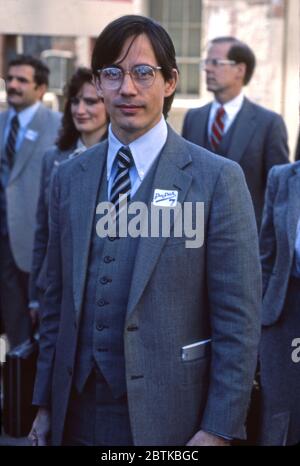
(216, 62)
(89, 101)
(111, 78)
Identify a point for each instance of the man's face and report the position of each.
(134, 110)
(224, 79)
(22, 90)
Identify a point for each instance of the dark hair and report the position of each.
(109, 45)
(68, 134)
(240, 53)
(41, 70)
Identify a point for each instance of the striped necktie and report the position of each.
(121, 187)
(10, 147)
(217, 129)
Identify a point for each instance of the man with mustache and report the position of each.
(232, 125)
(27, 129)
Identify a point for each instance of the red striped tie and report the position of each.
(217, 128)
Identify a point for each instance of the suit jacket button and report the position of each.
(132, 328)
(70, 371)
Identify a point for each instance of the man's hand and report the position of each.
(40, 428)
(204, 439)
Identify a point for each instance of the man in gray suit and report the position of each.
(233, 126)
(27, 129)
(145, 341)
(280, 253)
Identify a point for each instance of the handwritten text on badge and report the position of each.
(165, 198)
(31, 135)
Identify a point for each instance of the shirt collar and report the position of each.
(26, 115)
(232, 107)
(79, 148)
(144, 149)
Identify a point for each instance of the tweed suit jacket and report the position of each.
(278, 236)
(178, 296)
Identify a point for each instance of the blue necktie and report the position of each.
(121, 187)
(10, 147)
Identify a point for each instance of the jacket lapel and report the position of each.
(293, 211)
(169, 176)
(28, 147)
(243, 132)
(84, 190)
(203, 127)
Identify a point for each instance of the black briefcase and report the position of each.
(18, 381)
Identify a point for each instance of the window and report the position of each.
(61, 65)
(183, 22)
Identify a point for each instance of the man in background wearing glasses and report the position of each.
(143, 340)
(233, 126)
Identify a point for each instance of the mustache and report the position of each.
(14, 92)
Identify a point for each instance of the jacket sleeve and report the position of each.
(267, 234)
(276, 144)
(234, 292)
(42, 229)
(52, 302)
(185, 125)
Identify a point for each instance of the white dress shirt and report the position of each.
(144, 149)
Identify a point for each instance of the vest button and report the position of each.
(101, 302)
(100, 327)
(108, 259)
(105, 280)
(113, 238)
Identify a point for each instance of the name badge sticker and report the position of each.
(165, 198)
(31, 135)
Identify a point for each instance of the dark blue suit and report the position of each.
(257, 140)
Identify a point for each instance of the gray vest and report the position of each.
(100, 339)
(226, 140)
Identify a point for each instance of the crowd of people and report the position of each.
(143, 340)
